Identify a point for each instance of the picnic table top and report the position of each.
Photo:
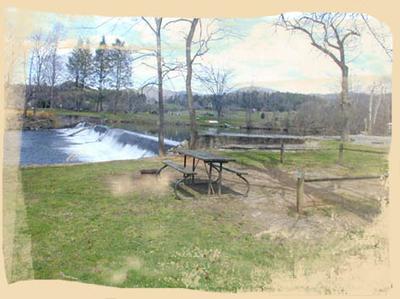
(205, 156)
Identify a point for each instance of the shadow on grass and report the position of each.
(364, 208)
(199, 189)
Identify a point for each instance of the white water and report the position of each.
(85, 144)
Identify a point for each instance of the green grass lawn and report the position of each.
(80, 230)
(231, 118)
(354, 163)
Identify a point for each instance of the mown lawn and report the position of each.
(231, 118)
(81, 230)
(354, 162)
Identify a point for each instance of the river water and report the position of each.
(90, 143)
(83, 143)
(95, 143)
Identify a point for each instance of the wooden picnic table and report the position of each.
(210, 161)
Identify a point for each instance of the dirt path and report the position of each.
(329, 207)
(270, 205)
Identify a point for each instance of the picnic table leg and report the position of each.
(209, 180)
(219, 178)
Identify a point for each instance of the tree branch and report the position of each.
(150, 26)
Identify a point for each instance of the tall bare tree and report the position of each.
(156, 28)
(54, 68)
(378, 93)
(189, 74)
(200, 34)
(40, 57)
(200, 46)
(332, 34)
(28, 84)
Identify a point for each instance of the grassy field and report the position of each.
(354, 163)
(231, 118)
(81, 229)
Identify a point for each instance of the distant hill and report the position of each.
(151, 93)
(254, 88)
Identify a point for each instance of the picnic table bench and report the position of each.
(210, 161)
(180, 168)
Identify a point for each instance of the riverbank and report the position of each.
(57, 118)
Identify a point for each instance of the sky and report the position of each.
(253, 50)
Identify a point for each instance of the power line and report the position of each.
(94, 27)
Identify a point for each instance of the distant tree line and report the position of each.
(259, 100)
(85, 81)
(303, 113)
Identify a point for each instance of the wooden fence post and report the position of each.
(300, 191)
(282, 151)
(341, 149)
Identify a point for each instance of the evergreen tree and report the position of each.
(80, 68)
(101, 71)
(120, 69)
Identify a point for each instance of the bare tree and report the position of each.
(247, 99)
(216, 82)
(200, 34)
(380, 34)
(332, 34)
(378, 89)
(189, 73)
(156, 28)
(54, 68)
(28, 85)
(200, 45)
(40, 58)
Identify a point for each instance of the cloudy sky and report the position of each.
(257, 53)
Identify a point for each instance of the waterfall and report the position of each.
(95, 143)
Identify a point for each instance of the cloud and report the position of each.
(269, 58)
(264, 56)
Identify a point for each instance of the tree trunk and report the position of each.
(28, 89)
(53, 80)
(98, 101)
(248, 118)
(377, 106)
(371, 100)
(219, 115)
(116, 99)
(51, 96)
(345, 104)
(189, 72)
(161, 147)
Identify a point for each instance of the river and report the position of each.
(96, 143)
(90, 143)
(82, 143)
